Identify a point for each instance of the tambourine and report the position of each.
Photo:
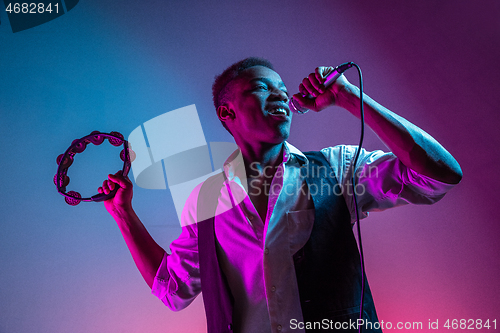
(64, 161)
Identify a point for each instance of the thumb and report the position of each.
(322, 72)
(119, 179)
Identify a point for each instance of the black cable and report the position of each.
(361, 256)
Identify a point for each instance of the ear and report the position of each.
(225, 113)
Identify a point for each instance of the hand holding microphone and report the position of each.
(314, 94)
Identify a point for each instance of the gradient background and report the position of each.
(112, 65)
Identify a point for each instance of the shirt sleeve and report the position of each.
(382, 181)
(177, 281)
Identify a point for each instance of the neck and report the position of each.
(261, 155)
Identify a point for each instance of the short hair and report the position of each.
(220, 92)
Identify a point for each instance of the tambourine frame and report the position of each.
(78, 146)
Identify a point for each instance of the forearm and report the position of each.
(414, 147)
(147, 254)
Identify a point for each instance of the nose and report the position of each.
(279, 95)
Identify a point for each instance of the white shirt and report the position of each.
(257, 256)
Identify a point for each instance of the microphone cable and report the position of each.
(361, 137)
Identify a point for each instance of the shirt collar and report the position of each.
(291, 153)
(235, 167)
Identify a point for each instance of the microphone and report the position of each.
(332, 77)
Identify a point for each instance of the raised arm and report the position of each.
(414, 147)
(147, 254)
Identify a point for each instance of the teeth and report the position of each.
(278, 111)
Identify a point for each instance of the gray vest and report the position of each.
(328, 267)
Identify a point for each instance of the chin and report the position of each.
(281, 136)
(284, 132)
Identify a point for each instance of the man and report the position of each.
(269, 253)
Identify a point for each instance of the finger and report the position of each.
(319, 74)
(303, 91)
(322, 72)
(119, 179)
(120, 173)
(99, 190)
(309, 87)
(105, 187)
(108, 186)
(315, 82)
(304, 102)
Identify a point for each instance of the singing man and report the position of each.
(269, 241)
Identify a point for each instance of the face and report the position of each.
(259, 106)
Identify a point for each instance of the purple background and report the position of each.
(112, 65)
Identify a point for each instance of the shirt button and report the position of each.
(250, 217)
(266, 251)
(279, 327)
(273, 288)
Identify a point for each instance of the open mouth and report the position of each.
(278, 111)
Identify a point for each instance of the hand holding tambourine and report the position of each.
(64, 161)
